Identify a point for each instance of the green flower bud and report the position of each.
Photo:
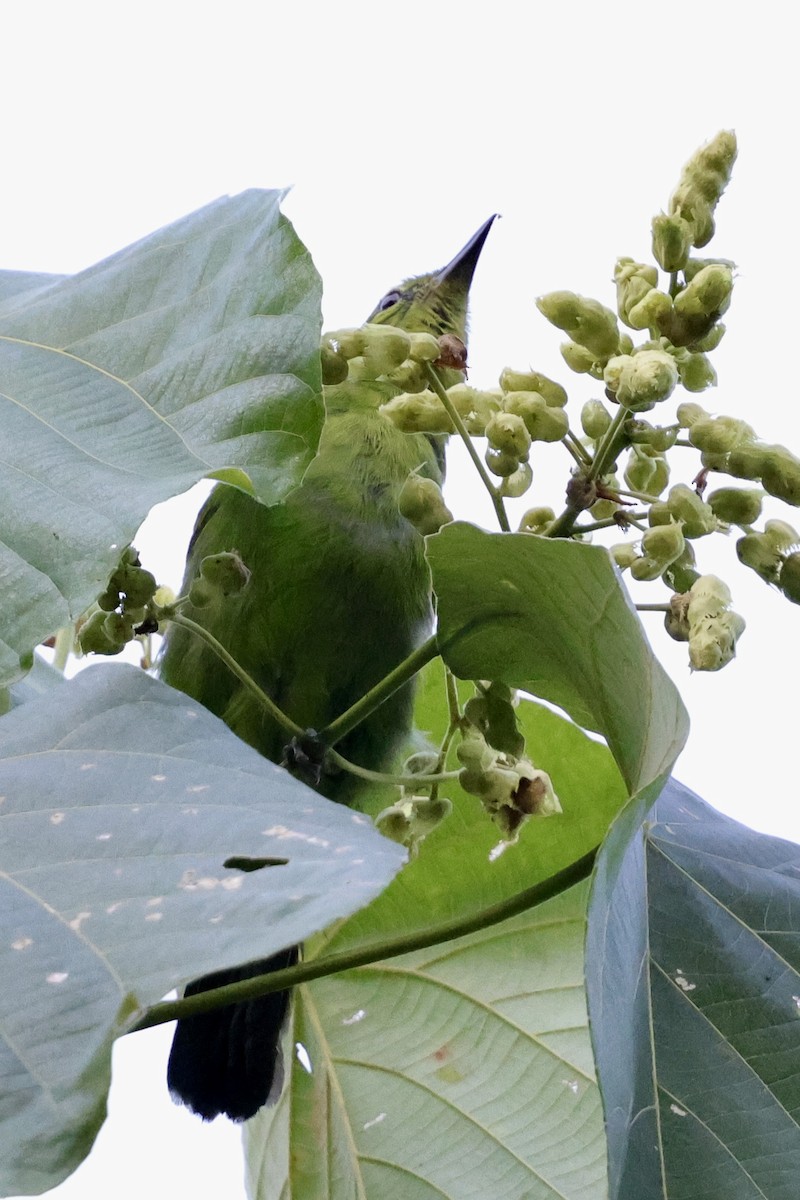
(202, 593)
(226, 572)
(543, 423)
(747, 461)
(683, 504)
(334, 365)
(789, 581)
(663, 543)
(93, 637)
(587, 322)
(410, 377)
(385, 348)
(657, 437)
(676, 621)
(516, 485)
(696, 372)
(109, 600)
(645, 570)
(118, 628)
(424, 347)
(347, 342)
(421, 502)
(672, 241)
(508, 433)
(755, 552)
(641, 381)
(595, 419)
(689, 414)
(650, 311)
(709, 597)
(681, 575)
(660, 478)
(475, 407)
(533, 381)
(640, 471)
(702, 182)
(712, 644)
(537, 520)
(710, 341)
(138, 585)
(623, 554)
(501, 463)
(736, 506)
(580, 360)
(708, 294)
(420, 413)
(780, 476)
(719, 435)
(781, 535)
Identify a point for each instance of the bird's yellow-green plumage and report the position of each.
(339, 594)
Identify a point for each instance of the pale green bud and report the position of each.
(711, 340)
(683, 504)
(508, 433)
(333, 365)
(708, 294)
(780, 475)
(424, 347)
(665, 543)
(645, 570)
(347, 342)
(719, 435)
(537, 520)
(658, 438)
(709, 597)
(410, 377)
(421, 502)
(789, 582)
(781, 535)
(385, 348)
(587, 322)
(93, 637)
(672, 241)
(501, 463)
(640, 470)
(420, 413)
(580, 360)
(712, 644)
(747, 461)
(641, 381)
(676, 621)
(623, 554)
(689, 414)
(543, 423)
(696, 372)
(118, 628)
(595, 419)
(681, 575)
(516, 485)
(650, 311)
(754, 551)
(736, 506)
(225, 572)
(533, 381)
(475, 407)
(702, 182)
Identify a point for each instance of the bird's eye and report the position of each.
(388, 301)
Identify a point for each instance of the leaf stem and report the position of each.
(378, 951)
(401, 674)
(461, 429)
(230, 662)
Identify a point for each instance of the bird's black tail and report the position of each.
(229, 1061)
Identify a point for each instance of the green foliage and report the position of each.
(134, 859)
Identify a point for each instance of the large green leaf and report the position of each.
(460, 1072)
(553, 618)
(509, 997)
(122, 803)
(693, 970)
(192, 352)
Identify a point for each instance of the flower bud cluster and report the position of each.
(773, 554)
(491, 752)
(421, 502)
(703, 618)
(123, 608)
(378, 351)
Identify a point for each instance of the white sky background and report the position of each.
(402, 127)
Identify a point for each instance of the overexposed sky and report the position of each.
(401, 128)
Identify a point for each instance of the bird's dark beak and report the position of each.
(462, 267)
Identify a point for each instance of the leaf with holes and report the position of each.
(130, 826)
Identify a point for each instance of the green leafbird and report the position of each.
(339, 594)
